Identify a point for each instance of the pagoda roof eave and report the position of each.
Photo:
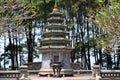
(55, 26)
(55, 39)
(55, 50)
(51, 48)
(51, 20)
(57, 42)
(56, 32)
(56, 13)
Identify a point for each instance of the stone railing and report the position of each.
(105, 74)
(110, 73)
(21, 74)
(9, 75)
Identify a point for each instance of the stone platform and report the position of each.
(75, 77)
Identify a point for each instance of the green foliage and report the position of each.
(13, 13)
(12, 47)
(75, 53)
(107, 17)
(102, 40)
(100, 1)
(107, 50)
(108, 61)
(33, 13)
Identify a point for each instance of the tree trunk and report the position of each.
(16, 49)
(11, 51)
(88, 47)
(20, 54)
(100, 57)
(45, 13)
(28, 31)
(4, 51)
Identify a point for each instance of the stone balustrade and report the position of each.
(21, 74)
(9, 74)
(110, 73)
(96, 72)
(105, 74)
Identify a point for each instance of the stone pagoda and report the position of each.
(55, 44)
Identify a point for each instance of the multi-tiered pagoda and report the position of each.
(55, 44)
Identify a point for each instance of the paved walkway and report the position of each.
(76, 77)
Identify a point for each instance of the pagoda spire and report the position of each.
(55, 9)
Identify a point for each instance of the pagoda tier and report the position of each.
(55, 40)
(55, 14)
(58, 33)
(54, 26)
(55, 47)
(55, 19)
(55, 34)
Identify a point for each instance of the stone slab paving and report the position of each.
(76, 77)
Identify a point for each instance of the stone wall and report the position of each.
(76, 66)
(37, 66)
(34, 66)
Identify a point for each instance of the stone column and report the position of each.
(96, 70)
(24, 73)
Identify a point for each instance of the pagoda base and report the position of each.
(49, 72)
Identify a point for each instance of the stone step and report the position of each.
(35, 77)
(110, 79)
(79, 79)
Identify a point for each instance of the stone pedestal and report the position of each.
(96, 70)
(49, 72)
(64, 57)
(24, 73)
